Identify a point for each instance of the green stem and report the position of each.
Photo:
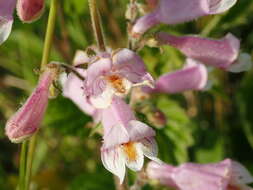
(49, 33)
(30, 155)
(27, 156)
(96, 24)
(22, 166)
(211, 25)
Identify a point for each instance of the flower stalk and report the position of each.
(96, 24)
(27, 149)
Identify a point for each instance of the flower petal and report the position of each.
(219, 53)
(26, 121)
(240, 175)
(133, 155)
(220, 6)
(174, 12)
(5, 29)
(243, 63)
(130, 65)
(72, 89)
(6, 18)
(104, 99)
(138, 130)
(114, 161)
(192, 77)
(30, 10)
(162, 172)
(94, 84)
(150, 148)
(115, 135)
(80, 57)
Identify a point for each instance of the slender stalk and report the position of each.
(26, 162)
(30, 155)
(96, 24)
(22, 166)
(49, 33)
(211, 25)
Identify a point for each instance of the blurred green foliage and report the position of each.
(202, 126)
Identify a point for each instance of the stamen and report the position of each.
(117, 83)
(231, 187)
(130, 150)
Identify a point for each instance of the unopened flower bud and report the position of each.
(30, 10)
(26, 121)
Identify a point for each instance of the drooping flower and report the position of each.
(192, 77)
(222, 53)
(30, 10)
(6, 18)
(73, 87)
(174, 12)
(26, 121)
(113, 74)
(225, 175)
(126, 140)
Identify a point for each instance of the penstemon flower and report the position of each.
(225, 175)
(114, 74)
(174, 12)
(126, 140)
(26, 121)
(192, 77)
(222, 53)
(28, 11)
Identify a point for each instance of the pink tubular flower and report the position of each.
(225, 175)
(30, 10)
(192, 77)
(6, 18)
(113, 74)
(174, 12)
(222, 53)
(73, 88)
(126, 140)
(25, 122)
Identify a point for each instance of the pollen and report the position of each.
(130, 151)
(117, 83)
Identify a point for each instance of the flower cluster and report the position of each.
(101, 91)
